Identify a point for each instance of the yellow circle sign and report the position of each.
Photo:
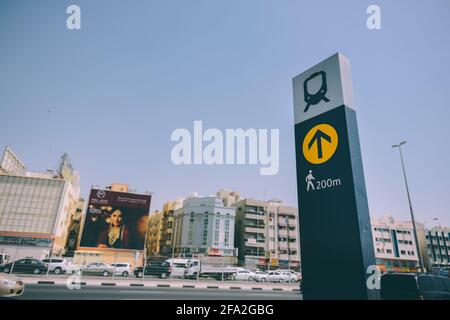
(320, 143)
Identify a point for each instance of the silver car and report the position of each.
(99, 269)
(245, 275)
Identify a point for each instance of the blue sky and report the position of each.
(111, 94)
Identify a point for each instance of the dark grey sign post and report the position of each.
(335, 232)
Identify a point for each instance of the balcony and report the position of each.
(283, 245)
(254, 216)
(293, 234)
(294, 245)
(284, 257)
(255, 243)
(254, 230)
(283, 233)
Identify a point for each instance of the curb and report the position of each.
(160, 285)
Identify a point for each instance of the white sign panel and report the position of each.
(323, 87)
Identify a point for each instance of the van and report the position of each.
(178, 266)
(410, 286)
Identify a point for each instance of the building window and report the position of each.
(216, 232)
(227, 238)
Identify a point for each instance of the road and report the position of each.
(57, 292)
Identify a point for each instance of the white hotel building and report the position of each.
(204, 227)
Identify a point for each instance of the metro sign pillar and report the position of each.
(335, 230)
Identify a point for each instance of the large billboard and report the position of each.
(116, 220)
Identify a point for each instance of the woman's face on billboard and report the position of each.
(116, 218)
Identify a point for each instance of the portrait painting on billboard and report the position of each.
(116, 220)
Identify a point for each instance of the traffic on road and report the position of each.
(173, 268)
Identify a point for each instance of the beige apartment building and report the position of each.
(267, 234)
(154, 233)
(167, 222)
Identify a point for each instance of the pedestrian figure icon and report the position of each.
(309, 181)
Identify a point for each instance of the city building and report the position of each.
(394, 244)
(118, 187)
(35, 207)
(204, 227)
(74, 229)
(154, 234)
(267, 234)
(438, 247)
(166, 244)
(229, 197)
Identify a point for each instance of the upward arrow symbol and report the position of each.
(318, 136)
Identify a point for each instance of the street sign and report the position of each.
(320, 143)
(334, 219)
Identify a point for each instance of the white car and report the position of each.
(56, 265)
(288, 277)
(295, 275)
(271, 276)
(122, 269)
(260, 276)
(245, 275)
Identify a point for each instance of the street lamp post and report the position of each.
(399, 146)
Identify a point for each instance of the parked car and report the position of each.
(161, 269)
(4, 259)
(27, 265)
(56, 265)
(443, 272)
(287, 276)
(245, 275)
(260, 276)
(98, 268)
(272, 276)
(410, 286)
(297, 275)
(10, 286)
(276, 276)
(122, 269)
